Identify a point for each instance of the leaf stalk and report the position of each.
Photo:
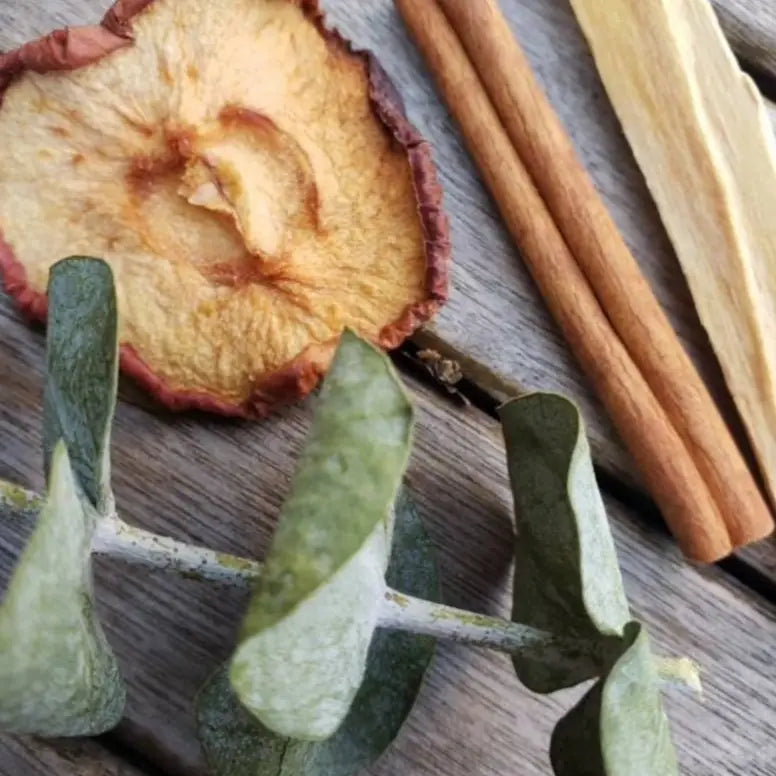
(415, 615)
(117, 539)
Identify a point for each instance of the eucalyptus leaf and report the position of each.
(306, 636)
(619, 727)
(236, 744)
(567, 579)
(58, 676)
(81, 371)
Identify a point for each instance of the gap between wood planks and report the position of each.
(73, 757)
(766, 81)
(115, 745)
(466, 392)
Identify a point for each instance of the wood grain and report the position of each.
(495, 323)
(221, 483)
(709, 156)
(28, 757)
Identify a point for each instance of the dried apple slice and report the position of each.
(251, 180)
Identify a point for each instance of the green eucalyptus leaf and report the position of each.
(58, 676)
(81, 371)
(567, 579)
(305, 639)
(237, 744)
(619, 727)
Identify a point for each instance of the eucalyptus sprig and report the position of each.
(342, 622)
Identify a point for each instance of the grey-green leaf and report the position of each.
(58, 676)
(306, 636)
(81, 371)
(619, 727)
(236, 744)
(567, 579)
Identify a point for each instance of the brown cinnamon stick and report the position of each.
(680, 445)
(547, 152)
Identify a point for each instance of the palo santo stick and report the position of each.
(546, 150)
(700, 133)
(668, 469)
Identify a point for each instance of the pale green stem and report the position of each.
(446, 622)
(143, 548)
(117, 539)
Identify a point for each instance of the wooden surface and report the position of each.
(221, 483)
(473, 717)
(495, 323)
(25, 757)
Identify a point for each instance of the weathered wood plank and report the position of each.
(211, 480)
(495, 322)
(221, 483)
(30, 757)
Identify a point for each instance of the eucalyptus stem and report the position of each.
(117, 539)
(403, 612)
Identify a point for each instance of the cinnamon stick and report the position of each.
(544, 146)
(671, 472)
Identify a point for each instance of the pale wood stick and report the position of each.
(668, 469)
(546, 150)
(709, 157)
